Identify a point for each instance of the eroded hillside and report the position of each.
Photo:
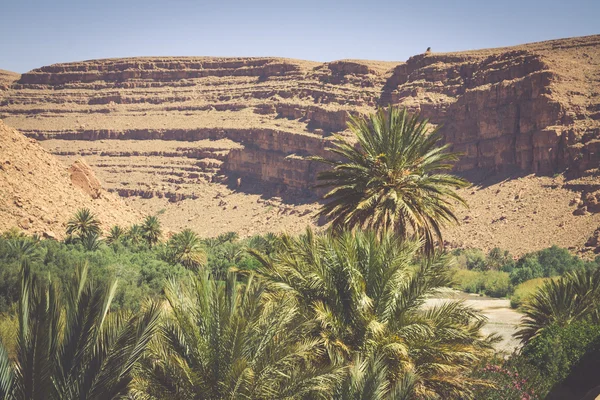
(39, 195)
(195, 137)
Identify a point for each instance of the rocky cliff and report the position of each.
(533, 108)
(168, 127)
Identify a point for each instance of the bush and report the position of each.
(528, 267)
(467, 281)
(558, 349)
(474, 259)
(490, 283)
(524, 290)
(496, 284)
(510, 379)
(553, 261)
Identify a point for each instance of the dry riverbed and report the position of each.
(502, 319)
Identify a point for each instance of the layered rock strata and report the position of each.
(531, 108)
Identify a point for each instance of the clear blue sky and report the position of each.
(34, 33)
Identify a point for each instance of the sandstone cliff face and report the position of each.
(532, 108)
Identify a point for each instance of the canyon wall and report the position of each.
(162, 126)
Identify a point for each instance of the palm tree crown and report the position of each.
(186, 248)
(83, 223)
(151, 230)
(69, 346)
(394, 179)
(574, 297)
(226, 340)
(366, 295)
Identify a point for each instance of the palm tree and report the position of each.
(135, 235)
(186, 249)
(70, 346)
(367, 295)
(368, 379)
(116, 234)
(227, 340)
(393, 180)
(90, 242)
(151, 230)
(24, 248)
(574, 297)
(83, 223)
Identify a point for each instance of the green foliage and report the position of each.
(511, 379)
(553, 261)
(500, 260)
(524, 291)
(574, 297)
(69, 345)
(489, 283)
(396, 179)
(475, 259)
(82, 224)
(140, 270)
(116, 234)
(9, 328)
(232, 340)
(366, 293)
(186, 249)
(558, 348)
(151, 230)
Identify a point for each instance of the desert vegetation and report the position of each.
(339, 314)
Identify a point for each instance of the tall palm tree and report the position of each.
(394, 179)
(574, 297)
(367, 295)
(151, 230)
(83, 223)
(186, 248)
(227, 340)
(70, 346)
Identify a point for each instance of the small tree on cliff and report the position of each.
(394, 180)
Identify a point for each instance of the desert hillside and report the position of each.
(39, 195)
(173, 135)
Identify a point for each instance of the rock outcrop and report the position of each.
(84, 178)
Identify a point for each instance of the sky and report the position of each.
(34, 33)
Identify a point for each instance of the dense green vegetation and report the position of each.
(497, 274)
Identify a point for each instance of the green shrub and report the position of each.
(496, 283)
(553, 261)
(490, 283)
(557, 349)
(500, 260)
(524, 290)
(467, 281)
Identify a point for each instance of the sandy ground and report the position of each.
(502, 319)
